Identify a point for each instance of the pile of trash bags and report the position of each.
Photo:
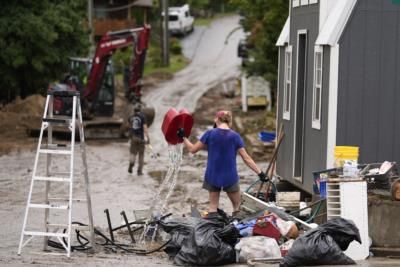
(198, 241)
(219, 240)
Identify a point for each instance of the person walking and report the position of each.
(139, 137)
(222, 144)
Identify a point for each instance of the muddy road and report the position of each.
(213, 60)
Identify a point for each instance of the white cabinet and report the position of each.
(349, 200)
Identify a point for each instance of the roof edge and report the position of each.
(336, 22)
(284, 35)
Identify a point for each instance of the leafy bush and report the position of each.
(175, 46)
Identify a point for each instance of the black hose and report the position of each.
(107, 241)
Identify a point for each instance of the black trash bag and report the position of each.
(218, 216)
(229, 234)
(342, 231)
(204, 246)
(179, 228)
(324, 245)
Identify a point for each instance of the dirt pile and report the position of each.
(16, 118)
(32, 105)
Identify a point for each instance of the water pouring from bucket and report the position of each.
(173, 120)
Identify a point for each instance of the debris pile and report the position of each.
(218, 239)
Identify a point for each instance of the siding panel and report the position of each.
(355, 81)
(387, 89)
(371, 94)
(343, 85)
(369, 97)
(396, 120)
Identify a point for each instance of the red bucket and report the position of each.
(173, 120)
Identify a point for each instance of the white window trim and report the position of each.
(303, 2)
(287, 79)
(331, 126)
(316, 123)
(297, 3)
(299, 32)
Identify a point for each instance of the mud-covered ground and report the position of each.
(198, 88)
(112, 187)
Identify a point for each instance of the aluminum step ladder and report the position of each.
(60, 207)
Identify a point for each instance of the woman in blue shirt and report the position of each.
(222, 144)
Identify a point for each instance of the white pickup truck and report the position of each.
(180, 21)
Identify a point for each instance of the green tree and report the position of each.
(264, 21)
(36, 39)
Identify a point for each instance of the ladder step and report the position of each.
(76, 174)
(63, 93)
(51, 179)
(57, 120)
(48, 206)
(65, 226)
(66, 199)
(33, 233)
(55, 151)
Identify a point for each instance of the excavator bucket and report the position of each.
(150, 113)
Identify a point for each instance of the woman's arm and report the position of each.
(248, 160)
(193, 148)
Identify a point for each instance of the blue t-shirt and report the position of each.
(222, 147)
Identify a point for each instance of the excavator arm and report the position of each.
(138, 38)
(97, 126)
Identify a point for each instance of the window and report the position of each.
(173, 18)
(288, 83)
(297, 3)
(317, 89)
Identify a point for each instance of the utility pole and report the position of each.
(165, 34)
(90, 26)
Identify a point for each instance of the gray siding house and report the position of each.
(338, 84)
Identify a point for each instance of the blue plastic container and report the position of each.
(267, 136)
(322, 188)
